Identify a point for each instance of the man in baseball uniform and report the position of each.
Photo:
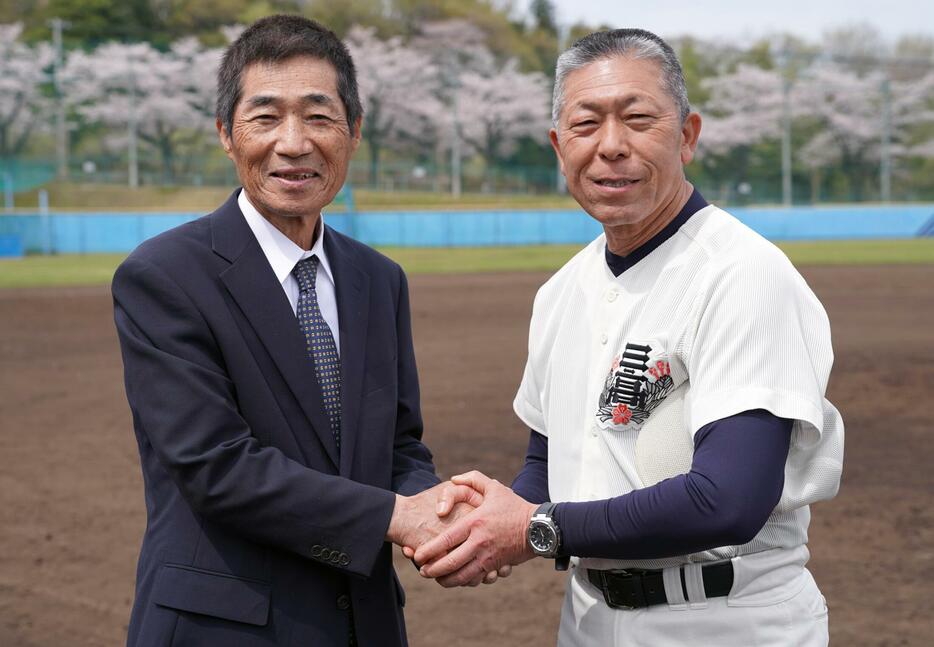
(674, 390)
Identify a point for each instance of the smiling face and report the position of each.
(290, 140)
(621, 143)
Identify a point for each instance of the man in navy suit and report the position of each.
(271, 376)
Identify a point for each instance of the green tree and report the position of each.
(16, 10)
(341, 16)
(203, 18)
(543, 13)
(695, 70)
(91, 22)
(504, 38)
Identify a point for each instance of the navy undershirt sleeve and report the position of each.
(735, 481)
(532, 482)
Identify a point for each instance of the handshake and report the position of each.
(465, 531)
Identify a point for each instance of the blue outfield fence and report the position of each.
(83, 233)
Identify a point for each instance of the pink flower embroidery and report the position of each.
(621, 414)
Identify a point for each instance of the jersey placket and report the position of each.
(608, 322)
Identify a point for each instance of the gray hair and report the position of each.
(631, 43)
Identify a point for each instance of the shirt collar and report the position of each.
(619, 264)
(280, 251)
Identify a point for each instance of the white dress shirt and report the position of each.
(283, 254)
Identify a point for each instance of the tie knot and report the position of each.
(305, 272)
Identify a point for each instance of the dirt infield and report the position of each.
(71, 504)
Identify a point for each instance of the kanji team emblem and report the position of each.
(636, 384)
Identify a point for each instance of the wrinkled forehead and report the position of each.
(615, 80)
(299, 77)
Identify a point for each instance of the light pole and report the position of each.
(785, 66)
(564, 38)
(61, 129)
(8, 190)
(132, 125)
(455, 144)
(452, 83)
(885, 162)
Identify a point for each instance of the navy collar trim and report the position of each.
(619, 264)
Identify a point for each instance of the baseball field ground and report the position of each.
(71, 497)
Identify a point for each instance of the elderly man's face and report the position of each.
(621, 143)
(290, 140)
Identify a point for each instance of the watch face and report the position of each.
(542, 537)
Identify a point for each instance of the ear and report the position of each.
(358, 133)
(226, 142)
(553, 138)
(690, 132)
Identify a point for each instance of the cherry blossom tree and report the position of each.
(745, 108)
(487, 105)
(454, 46)
(848, 110)
(23, 107)
(398, 89)
(232, 32)
(842, 119)
(913, 116)
(742, 116)
(499, 106)
(163, 98)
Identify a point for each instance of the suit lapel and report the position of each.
(253, 285)
(352, 287)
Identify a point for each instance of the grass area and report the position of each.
(465, 260)
(114, 197)
(368, 200)
(117, 197)
(97, 269)
(60, 270)
(861, 252)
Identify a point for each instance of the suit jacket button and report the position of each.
(343, 602)
(316, 551)
(345, 559)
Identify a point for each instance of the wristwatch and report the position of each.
(544, 536)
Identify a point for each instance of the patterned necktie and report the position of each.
(319, 342)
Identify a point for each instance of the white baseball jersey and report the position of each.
(623, 371)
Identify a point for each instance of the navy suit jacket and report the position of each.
(257, 532)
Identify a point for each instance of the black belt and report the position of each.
(635, 588)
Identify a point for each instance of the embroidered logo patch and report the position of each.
(636, 385)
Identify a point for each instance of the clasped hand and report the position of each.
(474, 530)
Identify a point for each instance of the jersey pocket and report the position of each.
(664, 446)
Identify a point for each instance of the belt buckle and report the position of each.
(633, 579)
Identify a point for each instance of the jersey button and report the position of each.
(611, 295)
(603, 338)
